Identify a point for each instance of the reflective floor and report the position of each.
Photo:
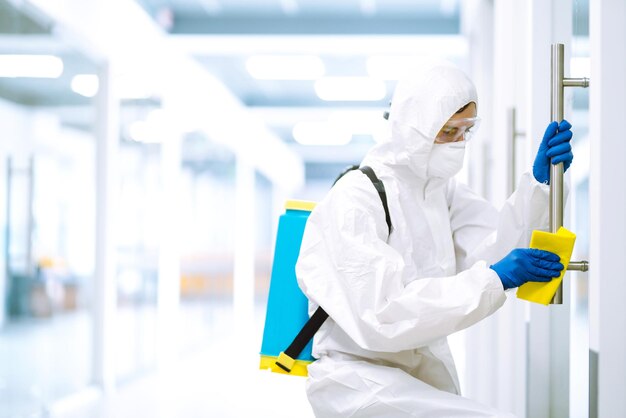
(45, 369)
(206, 384)
(42, 360)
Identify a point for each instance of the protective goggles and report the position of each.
(456, 130)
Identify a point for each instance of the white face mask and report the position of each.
(446, 160)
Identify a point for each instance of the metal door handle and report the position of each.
(513, 134)
(557, 84)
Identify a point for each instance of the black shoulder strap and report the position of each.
(344, 172)
(378, 184)
(380, 188)
(319, 316)
(304, 336)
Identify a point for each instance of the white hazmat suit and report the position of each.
(393, 299)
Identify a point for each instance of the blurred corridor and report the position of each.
(148, 148)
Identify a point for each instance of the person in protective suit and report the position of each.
(393, 298)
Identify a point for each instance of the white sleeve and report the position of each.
(347, 268)
(480, 232)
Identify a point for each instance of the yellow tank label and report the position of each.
(300, 205)
(299, 366)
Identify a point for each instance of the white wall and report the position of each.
(59, 151)
(496, 32)
(608, 204)
(531, 342)
(13, 126)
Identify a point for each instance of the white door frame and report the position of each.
(607, 286)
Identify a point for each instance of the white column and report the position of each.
(496, 38)
(476, 375)
(512, 325)
(15, 137)
(168, 299)
(3, 242)
(539, 21)
(107, 138)
(509, 386)
(279, 198)
(477, 27)
(607, 322)
(505, 76)
(243, 286)
(549, 327)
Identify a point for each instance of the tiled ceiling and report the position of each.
(222, 34)
(24, 31)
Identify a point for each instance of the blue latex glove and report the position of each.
(555, 145)
(527, 265)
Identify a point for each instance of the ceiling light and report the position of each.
(140, 131)
(285, 67)
(128, 90)
(448, 46)
(350, 89)
(290, 7)
(32, 66)
(134, 85)
(368, 7)
(448, 7)
(321, 133)
(362, 122)
(391, 67)
(158, 127)
(580, 67)
(85, 84)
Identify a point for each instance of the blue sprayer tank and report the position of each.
(287, 307)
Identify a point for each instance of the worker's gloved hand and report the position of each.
(527, 265)
(555, 145)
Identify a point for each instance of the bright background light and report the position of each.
(285, 67)
(391, 67)
(32, 66)
(134, 85)
(362, 122)
(580, 67)
(350, 89)
(159, 126)
(321, 133)
(85, 84)
(340, 126)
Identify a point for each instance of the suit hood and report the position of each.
(422, 103)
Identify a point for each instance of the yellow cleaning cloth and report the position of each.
(561, 243)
